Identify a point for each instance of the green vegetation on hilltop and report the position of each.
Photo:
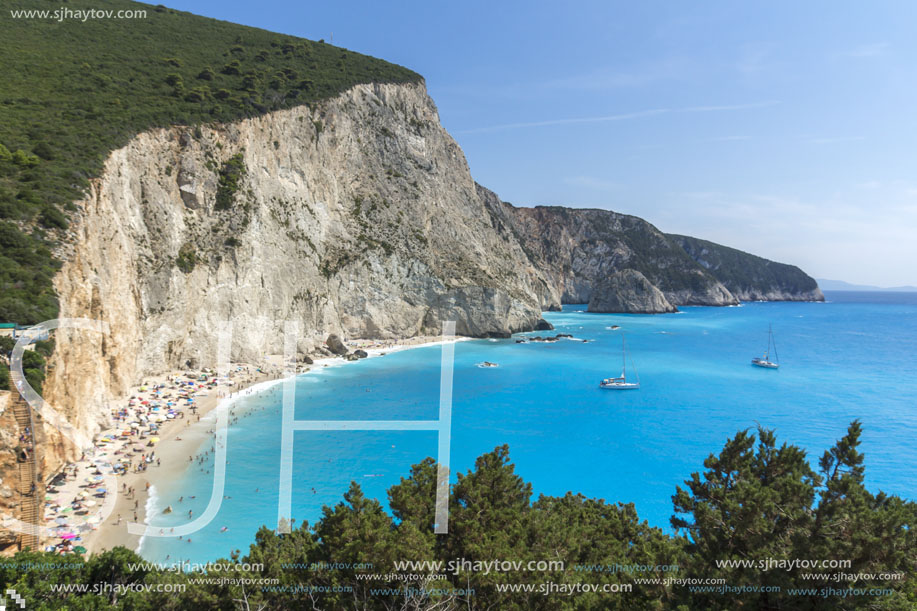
(756, 502)
(75, 90)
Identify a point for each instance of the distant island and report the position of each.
(840, 285)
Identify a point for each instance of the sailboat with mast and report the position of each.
(621, 383)
(766, 361)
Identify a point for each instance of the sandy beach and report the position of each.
(179, 437)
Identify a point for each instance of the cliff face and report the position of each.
(628, 291)
(749, 277)
(357, 216)
(577, 249)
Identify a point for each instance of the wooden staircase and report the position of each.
(30, 492)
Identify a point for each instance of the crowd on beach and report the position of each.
(73, 495)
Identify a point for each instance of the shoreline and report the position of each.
(199, 431)
(173, 437)
(177, 440)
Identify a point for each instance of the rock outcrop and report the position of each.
(629, 292)
(576, 249)
(749, 277)
(336, 345)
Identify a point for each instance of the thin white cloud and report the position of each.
(591, 182)
(873, 49)
(621, 117)
(723, 107)
(640, 114)
(756, 63)
(728, 139)
(835, 139)
(642, 75)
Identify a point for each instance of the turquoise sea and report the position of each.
(851, 357)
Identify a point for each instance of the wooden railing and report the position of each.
(30, 492)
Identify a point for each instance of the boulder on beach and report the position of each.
(362, 354)
(335, 345)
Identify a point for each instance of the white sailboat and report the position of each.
(766, 361)
(621, 383)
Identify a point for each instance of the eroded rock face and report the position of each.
(576, 249)
(628, 292)
(356, 216)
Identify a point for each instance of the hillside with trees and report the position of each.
(756, 504)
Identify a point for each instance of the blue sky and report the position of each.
(783, 128)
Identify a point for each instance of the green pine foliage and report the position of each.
(74, 90)
(231, 174)
(757, 501)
